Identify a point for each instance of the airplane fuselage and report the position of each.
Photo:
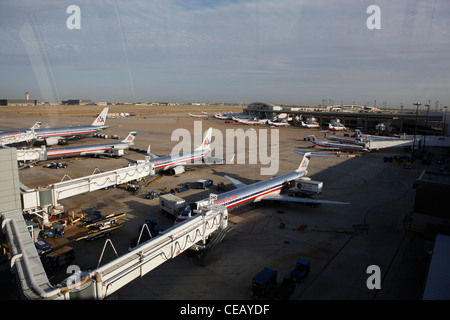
(89, 149)
(342, 140)
(250, 193)
(310, 125)
(12, 132)
(67, 131)
(341, 146)
(166, 162)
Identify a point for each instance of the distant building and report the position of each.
(11, 102)
(263, 106)
(351, 108)
(74, 102)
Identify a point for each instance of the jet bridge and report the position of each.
(149, 255)
(107, 279)
(17, 138)
(32, 155)
(44, 202)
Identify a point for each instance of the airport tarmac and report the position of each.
(341, 241)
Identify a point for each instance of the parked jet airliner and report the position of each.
(51, 136)
(176, 163)
(341, 140)
(338, 146)
(93, 150)
(263, 190)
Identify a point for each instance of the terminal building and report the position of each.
(354, 116)
(12, 102)
(73, 102)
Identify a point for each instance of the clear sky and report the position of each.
(276, 51)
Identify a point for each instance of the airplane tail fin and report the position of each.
(206, 141)
(101, 119)
(327, 134)
(305, 161)
(313, 138)
(303, 164)
(37, 125)
(130, 138)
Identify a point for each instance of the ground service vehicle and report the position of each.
(204, 183)
(143, 232)
(306, 186)
(153, 226)
(43, 248)
(301, 270)
(264, 284)
(151, 194)
(58, 230)
(186, 187)
(171, 204)
(133, 187)
(92, 217)
(95, 233)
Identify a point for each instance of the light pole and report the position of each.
(426, 126)
(413, 158)
(445, 116)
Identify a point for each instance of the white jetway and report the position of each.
(19, 137)
(107, 279)
(44, 202)
(31, 155)
(144, 258)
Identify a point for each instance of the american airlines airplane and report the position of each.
(202, 115)
(92, 150)
(310, 123)
(337, 125)
(250, 122)
(263, 190)
(176, 163)
(279, 124)
(341, 140)
(338, 146)
(51, 136)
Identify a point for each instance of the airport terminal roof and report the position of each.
(437, 286)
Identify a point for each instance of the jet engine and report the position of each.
(51, 141)
(177, 170)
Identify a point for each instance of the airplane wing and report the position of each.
(92, 153)
(207, 161)
(216, 160)
(302, 200)
(236, 182)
